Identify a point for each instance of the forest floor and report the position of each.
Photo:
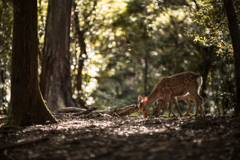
(135, 138)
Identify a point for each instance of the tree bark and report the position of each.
(27, 106)
(235, 36)
(83, 52)
(146, 59)
(83, 55)
(209, 54)
(55, 81)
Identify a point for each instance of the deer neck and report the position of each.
(153, 97)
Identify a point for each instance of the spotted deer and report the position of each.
(185, 98)
(173, 86)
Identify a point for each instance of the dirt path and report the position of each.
(124, 138)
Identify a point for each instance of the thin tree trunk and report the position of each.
(209, 54)
(83, 53)
(82, 57)
(56, 76)
(145, 36)
(235, 36)
(27, 106)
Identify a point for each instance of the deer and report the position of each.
(185, 98)
(170, 87)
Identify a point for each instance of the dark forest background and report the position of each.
(104, 53)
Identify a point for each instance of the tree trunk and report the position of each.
(209, 54)
(83, 56)
(55, 81)
(27, 106)
(145, 37)
(235, 36)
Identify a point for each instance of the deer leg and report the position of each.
(199, 101)
(196, 110)
(190, 97)
(174, 114)
(176, 104)
(163, 110)
(170, 108)
(202, 109)
(166, 100)
(156, 109)
(187, 101)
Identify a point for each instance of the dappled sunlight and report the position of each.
(116, 126)
(144, 138)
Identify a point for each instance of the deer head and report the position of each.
(157, 107)
(143, 106)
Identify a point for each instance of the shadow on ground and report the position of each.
(104, 138)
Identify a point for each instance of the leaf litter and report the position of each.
(124, 138)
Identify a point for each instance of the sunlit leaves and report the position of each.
(212, 17)
(213, 31)
(42, 16)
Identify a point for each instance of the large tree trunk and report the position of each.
(55, 81)
(27, 106)
(235, 36)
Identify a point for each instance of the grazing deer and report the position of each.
(173, 86)
(186, 99)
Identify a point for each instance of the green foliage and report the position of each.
(6, 21)
(42, 16)
(131, 45)
(143, 37)
(212, 16)
(161, 33)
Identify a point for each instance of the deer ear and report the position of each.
(140, 98)
(145, 99)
